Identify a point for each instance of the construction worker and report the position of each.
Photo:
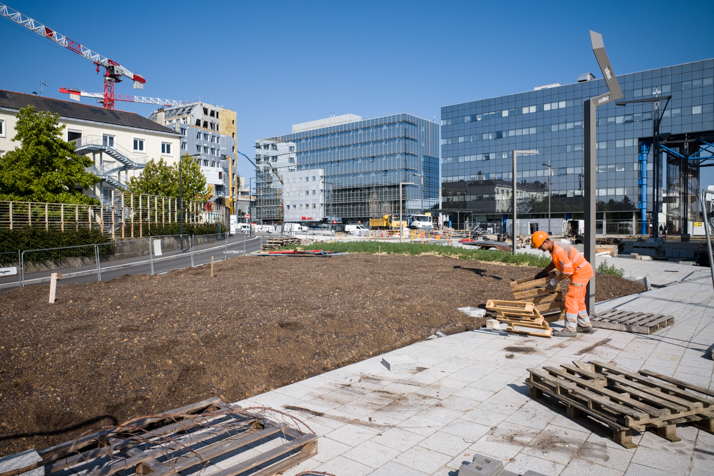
(573, 265)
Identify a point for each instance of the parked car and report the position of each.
(359, 230)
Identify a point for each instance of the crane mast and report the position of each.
(113, 70)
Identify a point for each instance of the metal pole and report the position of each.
(422, 193)
(707, 224)
(99, 268)
(655, 172)
(151, 255)
(590, 123)
(180, 203)
(550, 174)
(401, 238)
(513, 158)
(192, 247)
(245, 238)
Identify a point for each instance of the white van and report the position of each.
(240, 228)
(359, 230)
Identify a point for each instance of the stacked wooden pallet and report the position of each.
(188, 439)
(631, 321)
(550, 304)
(279, 242)
(602, 395)
(520, 314)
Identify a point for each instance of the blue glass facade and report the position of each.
(477, 139)
(363, 161)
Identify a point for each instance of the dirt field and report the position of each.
(109, 351)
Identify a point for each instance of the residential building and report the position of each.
(208, 133)
(119, 142)
(362, 163)
(477, 139)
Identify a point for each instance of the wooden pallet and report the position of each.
(279, 242)
(550, 304)
(601, 396)
(630, 321)
(521, 314)
(187, 439)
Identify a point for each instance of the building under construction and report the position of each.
(360, 164)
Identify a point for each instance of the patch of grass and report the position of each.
(605, 269)
(373, 247)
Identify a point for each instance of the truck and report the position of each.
(419, 222)
(386, 222)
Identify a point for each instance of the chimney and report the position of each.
(161, 116)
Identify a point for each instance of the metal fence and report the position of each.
(124, 215)
(105, 261)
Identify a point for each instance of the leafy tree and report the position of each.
(194, 182)
(44, 168)
(158, 178)
(155, 179)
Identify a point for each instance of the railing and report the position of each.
(127, 215)
(98, 141)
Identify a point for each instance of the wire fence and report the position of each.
(105, 261)
(123, 215)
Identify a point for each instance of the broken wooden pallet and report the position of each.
(601, 395)
(549, 303)
(631, 321)
(187, 439)
(521, 314)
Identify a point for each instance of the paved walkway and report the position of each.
(470, 397)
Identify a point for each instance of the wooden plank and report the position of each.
(678, 383)
(209, 452)
(622, 413)
(619, 397)
(676, 394)
(529, 284)
(269, 455)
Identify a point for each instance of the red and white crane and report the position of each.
(75, 94)
(113, 70)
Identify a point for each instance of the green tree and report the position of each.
(156, 178)
(44, 168)
(194, 182)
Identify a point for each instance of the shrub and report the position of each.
(603, 268)
(32, 238)
(522, 259)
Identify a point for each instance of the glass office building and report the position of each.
(477, 139)
(362, 163)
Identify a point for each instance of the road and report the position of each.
(235, 245)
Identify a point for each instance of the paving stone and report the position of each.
(459, 403)
(533, 414)
(641, 470)
(445, 443)
(423, 459)
(421, 426)
(344, 467)
(328, 448)
(469, 431)
(504, 441)
(604, 455)
(521, 463)
(672, 462)
(21, 460)
(578, 467)
(395, 469)
(556, 444)
(481, 465)
(352, 435)
(372, 454)
(398, 439)
(397, 363)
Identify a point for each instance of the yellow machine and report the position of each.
(386, 222)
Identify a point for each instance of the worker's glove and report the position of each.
(552, 284)
(542, 274)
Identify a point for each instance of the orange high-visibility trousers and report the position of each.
(576, 312)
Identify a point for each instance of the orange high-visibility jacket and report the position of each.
(568, 260)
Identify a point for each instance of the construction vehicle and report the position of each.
(386, 222)
(419, 222)
(113, 71)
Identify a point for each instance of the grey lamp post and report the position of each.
(422, 190)
(550, 175)
(590, 122)
(514, 153)
(401, 231)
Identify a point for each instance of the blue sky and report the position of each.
(279, 63)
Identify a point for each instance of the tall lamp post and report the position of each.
(590, 128)
(422, 190)
(401, 231)
(514, 153)
(550, 175)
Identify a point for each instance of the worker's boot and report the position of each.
(585, 330)
(567, 332)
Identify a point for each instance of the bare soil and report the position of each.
(109, 351)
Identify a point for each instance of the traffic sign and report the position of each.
(247, 215)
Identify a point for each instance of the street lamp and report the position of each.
(656, 121)
(515, 213)
(590, 128)
(422, 190)
(550, 174)
(401, 233)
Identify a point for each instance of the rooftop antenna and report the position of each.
(42, 83)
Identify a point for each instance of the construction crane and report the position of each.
(113, 71)
(75, 94)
